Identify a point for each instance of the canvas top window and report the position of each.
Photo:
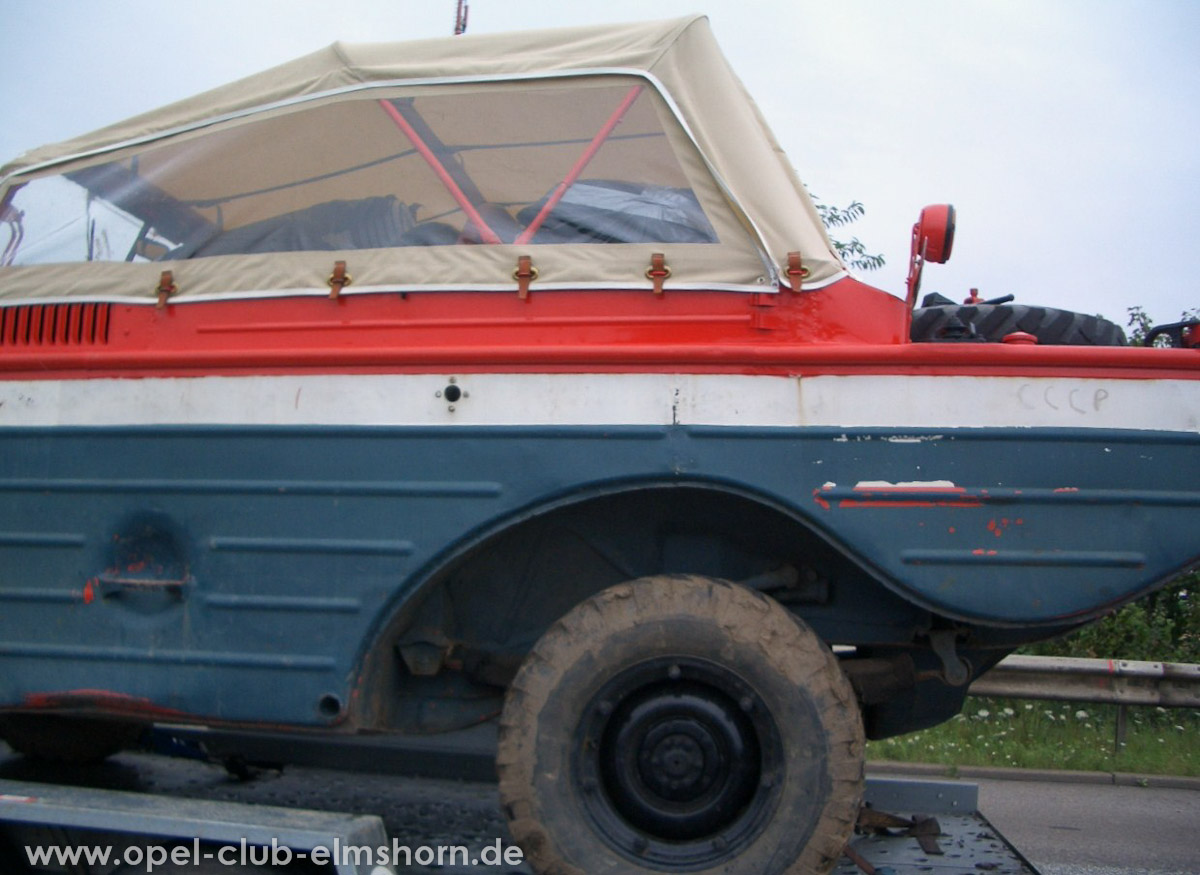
(577, 160)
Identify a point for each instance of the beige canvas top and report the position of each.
(425, 165)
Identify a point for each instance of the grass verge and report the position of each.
(1054, 735)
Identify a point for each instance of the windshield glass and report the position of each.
(588, 160)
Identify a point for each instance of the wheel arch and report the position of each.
(480, 605)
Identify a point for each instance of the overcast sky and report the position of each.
(1066, 132)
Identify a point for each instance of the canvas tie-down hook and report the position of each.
(166, 288)
(658, 271)
(796, 272)
(524, 274)
(338, 280)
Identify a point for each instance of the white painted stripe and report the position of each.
(608, 399)
(979, 402)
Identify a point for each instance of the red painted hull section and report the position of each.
(847, 328)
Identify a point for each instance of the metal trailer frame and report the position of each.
(144, 815)
(967, 842)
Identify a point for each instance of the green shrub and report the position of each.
(1161, 627)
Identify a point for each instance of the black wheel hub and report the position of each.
(678, 760)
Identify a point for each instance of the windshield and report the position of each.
(588, 160)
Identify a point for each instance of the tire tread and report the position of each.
(781, 639)
(992, 322)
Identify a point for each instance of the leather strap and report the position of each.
(796, 271)
(658, 271)
(524, 274)
(166, 288)
(339, 279)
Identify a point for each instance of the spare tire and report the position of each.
(992, 322)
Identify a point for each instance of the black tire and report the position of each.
(70, 740)
(1172, 335)
(680, 724)
(993, 321)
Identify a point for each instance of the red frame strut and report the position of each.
(588, 154)
(485, 231)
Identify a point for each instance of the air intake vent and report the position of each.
(54, 325)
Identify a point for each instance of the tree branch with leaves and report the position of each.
(851, 251)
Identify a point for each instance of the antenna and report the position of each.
(460, 18)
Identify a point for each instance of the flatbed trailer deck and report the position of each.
(145, 798)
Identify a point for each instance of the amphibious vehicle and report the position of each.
(514, 378)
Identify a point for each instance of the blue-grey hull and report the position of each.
(242, 572)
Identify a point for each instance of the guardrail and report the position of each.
(1120, 682)
(1102, 681)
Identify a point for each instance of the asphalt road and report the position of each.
(1097, 829)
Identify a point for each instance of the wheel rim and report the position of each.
(679, 760)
